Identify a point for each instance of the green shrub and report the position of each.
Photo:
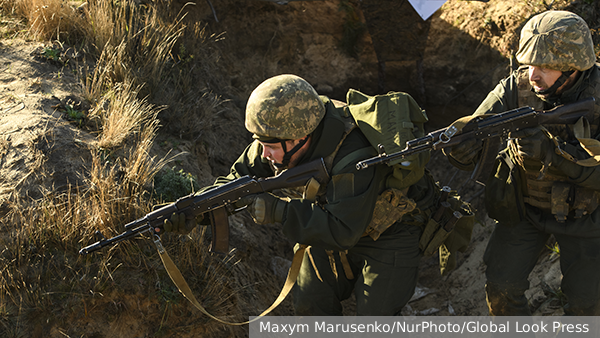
(171, 184)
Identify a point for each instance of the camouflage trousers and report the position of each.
(385, 275)
(513, 251)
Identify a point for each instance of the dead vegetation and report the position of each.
(123, 53)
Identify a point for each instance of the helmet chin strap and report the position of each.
(287, 156)
(559, 82)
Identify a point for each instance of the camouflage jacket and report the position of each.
(339, 221)
(511, 93)
(340, 217)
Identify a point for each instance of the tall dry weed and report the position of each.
(39, 241)
(51, 19)
(138, 39)
(122, 114)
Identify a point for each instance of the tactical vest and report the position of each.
(552, 192)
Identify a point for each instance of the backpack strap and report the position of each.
(354, 156)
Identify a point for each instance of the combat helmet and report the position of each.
(284, 107)
(558, 40)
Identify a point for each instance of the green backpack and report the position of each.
(391, 120)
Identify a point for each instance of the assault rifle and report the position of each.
(486, 127)
(217, 202)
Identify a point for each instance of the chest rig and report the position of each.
(552, 192)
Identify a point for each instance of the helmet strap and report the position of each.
(287, 156)
(559, 82)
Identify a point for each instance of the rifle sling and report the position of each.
(185, 290)
(581, 129)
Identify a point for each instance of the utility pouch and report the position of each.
(566, 197)
(449, 229)
(585, 201)
(390, 206)
(433, 225)
(559, 200)
(442, 222)
(504, 191)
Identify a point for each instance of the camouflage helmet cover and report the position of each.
(284, 107)
(558, 40)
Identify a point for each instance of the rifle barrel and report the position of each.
(111, 241)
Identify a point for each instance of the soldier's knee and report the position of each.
(311, 303)
(506, 300)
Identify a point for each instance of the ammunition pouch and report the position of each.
(561, 198)
(449, 229)
(390, 206)
(504, 191)
(510, 188)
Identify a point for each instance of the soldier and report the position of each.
(291, 125)
(537, 189)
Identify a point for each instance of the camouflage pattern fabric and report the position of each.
(390, 206)
(526, 229)
(558, 40)
(284, 107)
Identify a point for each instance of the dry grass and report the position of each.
(43, 281)
(51, 19)
(42, 277)
(138, 40)
(124, 115)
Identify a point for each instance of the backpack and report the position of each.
(391, 120)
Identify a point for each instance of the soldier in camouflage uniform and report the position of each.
(536, 189)
(291, 125)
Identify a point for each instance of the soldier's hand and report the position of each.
(466, 151)
(179, 224)
(532, 143)
(265, 208)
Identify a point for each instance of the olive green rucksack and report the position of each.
(391, 120)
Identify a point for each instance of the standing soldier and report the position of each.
(292, 125)
(544, 182)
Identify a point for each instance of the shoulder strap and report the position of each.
(354, 156)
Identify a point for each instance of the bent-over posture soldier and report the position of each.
(544, 183)
(291, 125)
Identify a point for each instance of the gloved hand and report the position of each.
(264, 208)
(179, 224)
(466, 151)
(533, 143)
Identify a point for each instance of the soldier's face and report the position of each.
(542, 78)
(274, 151)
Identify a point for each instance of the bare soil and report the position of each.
(465, 51)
